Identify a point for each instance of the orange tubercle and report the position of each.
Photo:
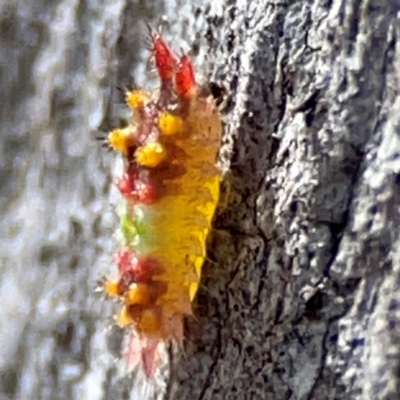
(111, 287)
(138, 293)
(124, 318)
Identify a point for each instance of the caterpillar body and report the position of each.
(170, 186)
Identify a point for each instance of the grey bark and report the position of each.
(301, 299)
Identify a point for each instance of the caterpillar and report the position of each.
(170, 189)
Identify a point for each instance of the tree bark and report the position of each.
(299, 299)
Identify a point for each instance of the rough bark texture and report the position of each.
(301, 300)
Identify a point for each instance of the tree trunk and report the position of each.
(299, 297)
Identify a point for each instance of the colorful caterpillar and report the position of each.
(170, 187)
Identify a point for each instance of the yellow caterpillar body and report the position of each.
(171, 189)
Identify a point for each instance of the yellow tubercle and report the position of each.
(170, 124)
(138, 294)
(136, 99)
(121, 139)
(151, 154)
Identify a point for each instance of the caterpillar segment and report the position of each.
(170, 186)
